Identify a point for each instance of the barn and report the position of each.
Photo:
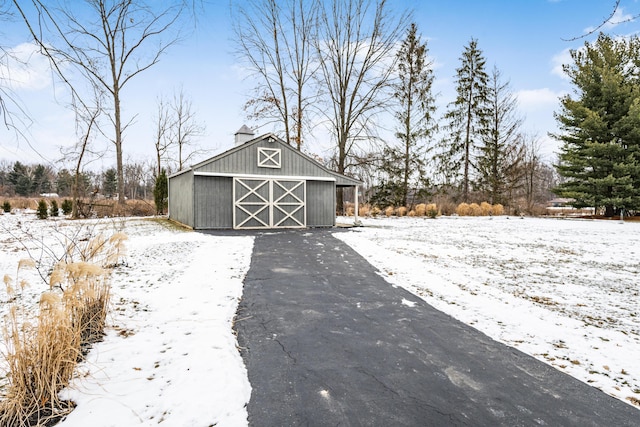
(261, 183)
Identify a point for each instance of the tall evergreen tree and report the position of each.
(467, 118)
(498, 154)
(600, 126)
(405, 163)
(21, 179)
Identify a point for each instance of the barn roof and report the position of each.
(341, 180)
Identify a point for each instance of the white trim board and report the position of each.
(253, 176)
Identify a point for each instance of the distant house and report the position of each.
(261, 183)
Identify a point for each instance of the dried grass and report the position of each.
(401, 211)
(463, 209)
(486, 209)
(389, 211)
(421, 209)
(42, 353)
(364, 210)
(497, 209)
(476, 210)
(432, 210)
(483, 209)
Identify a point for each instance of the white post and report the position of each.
(355, 221)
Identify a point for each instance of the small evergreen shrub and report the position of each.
(53, 209)
(6, 206)
(43, 210)
(431, 210)
(67, 206)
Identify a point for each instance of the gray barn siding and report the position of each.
(206, 201)
(181, 198)
(214, 202)
(321, 204)
(245, 161)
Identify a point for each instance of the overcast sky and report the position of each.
(525, 39)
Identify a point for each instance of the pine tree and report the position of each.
(110, 182)
(404, 164)
(498, 154)
(43, 210)
(161, 192)
(467, 118)
(600, 126)
(21, 179)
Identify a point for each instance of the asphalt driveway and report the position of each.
(328, 342)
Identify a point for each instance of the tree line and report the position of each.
(34, 180)
(354, 65)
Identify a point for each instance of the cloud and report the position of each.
(23, 68)
(558, 61)
(537, 99)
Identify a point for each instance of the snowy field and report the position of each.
(564, 291)
(170, 355)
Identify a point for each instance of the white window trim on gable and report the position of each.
(269, 158)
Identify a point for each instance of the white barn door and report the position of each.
(269, 203)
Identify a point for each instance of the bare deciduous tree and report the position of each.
(275, 40)
(356, 49)
(104, 43)
(162, 123)
(183, 127)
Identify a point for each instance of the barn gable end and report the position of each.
(263, 183)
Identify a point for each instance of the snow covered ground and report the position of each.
(170, 355)
(564, 291)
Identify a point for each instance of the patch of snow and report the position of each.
(408, 303)
(169, 355)
(563, 291)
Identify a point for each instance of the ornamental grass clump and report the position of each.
(421, 209)
(42, 351)
(431, 210)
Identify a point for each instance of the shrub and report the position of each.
(401, 211)
(6, 206)
(53, 209)
(349, 211)
(421, 209)
(390, 210)
(411, 213)
(486, 209)
(476, 210)
(43, 210)
(497, 209)
(67, 206)
(41, 356)
(364, 210)
(375, 211)
(431, 210)
(463, 209)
